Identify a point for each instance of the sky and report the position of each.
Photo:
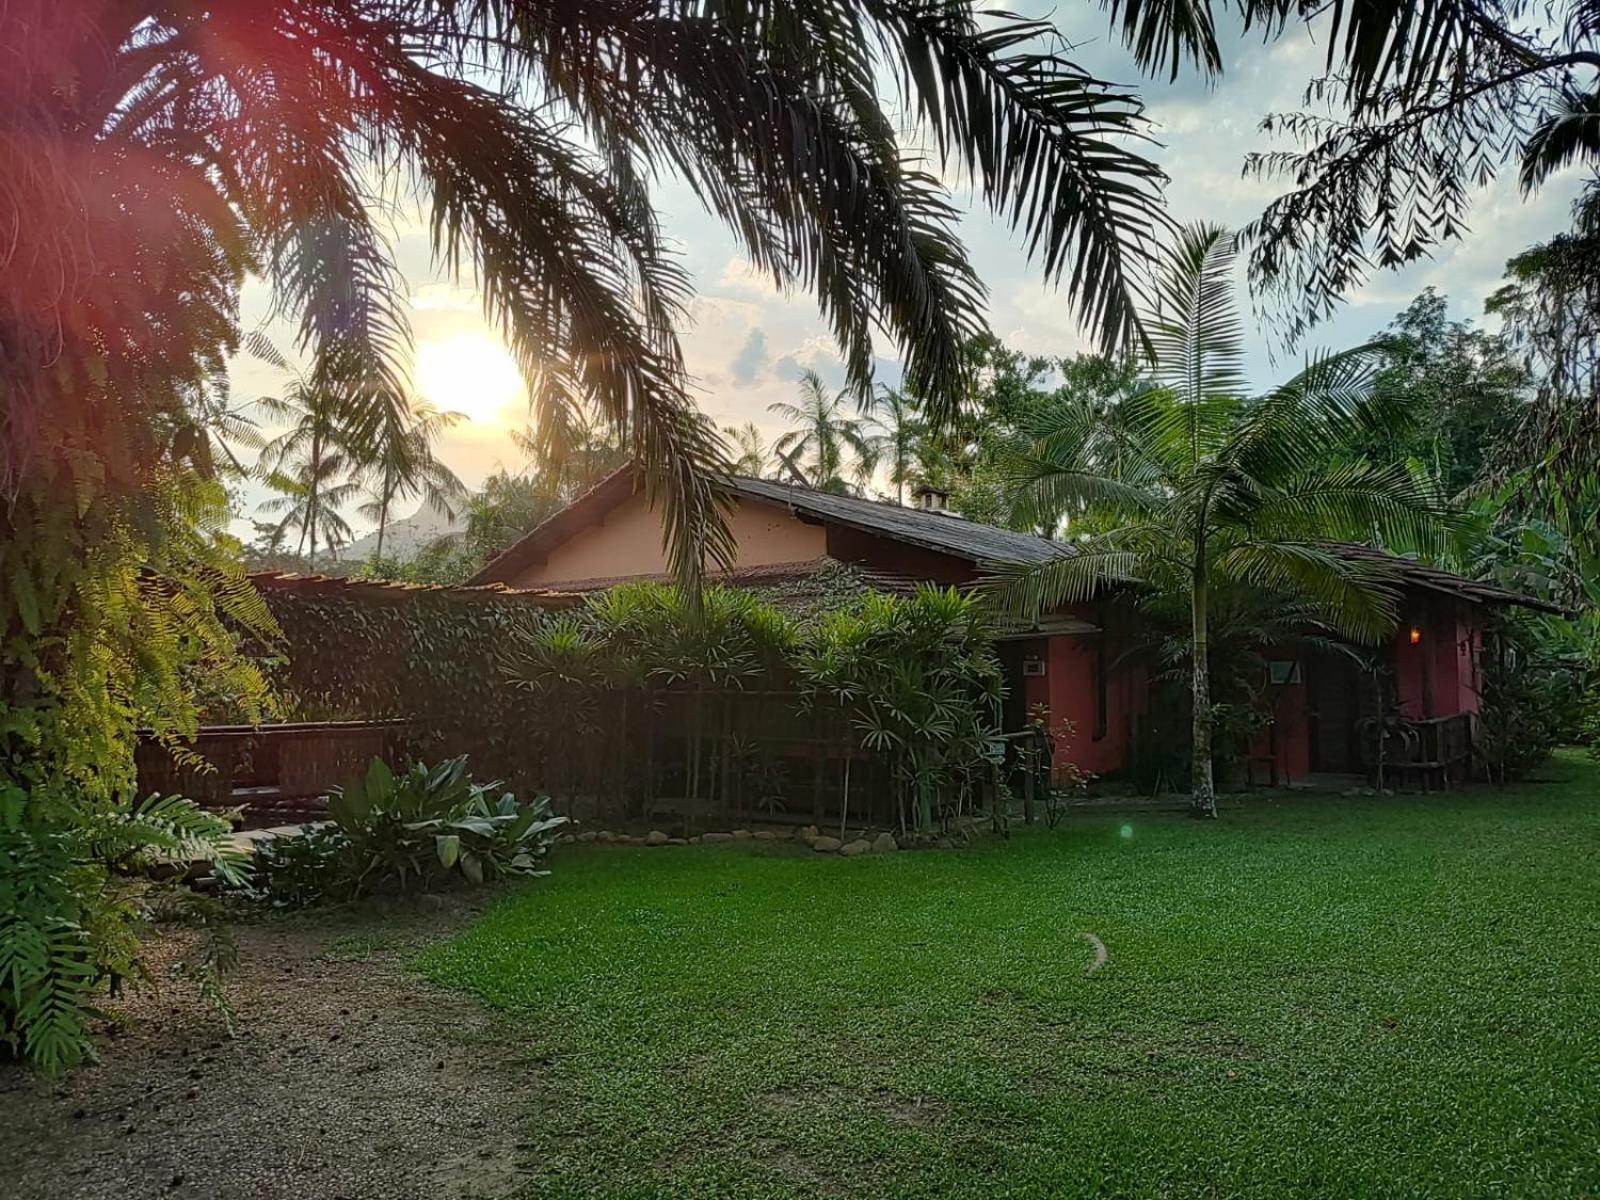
(745, 343)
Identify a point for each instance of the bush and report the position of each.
(77, 889)
(428, 828)
(1530, 705)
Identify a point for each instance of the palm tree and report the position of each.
(824, 434)
(752, 455)
(898, 434)
(1201, 485)
(313, 465)
(310, 492)
(403, 465)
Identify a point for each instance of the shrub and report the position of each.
(77, 889)
(1529, 703)
(427, 828)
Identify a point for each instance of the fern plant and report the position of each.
(78, 889)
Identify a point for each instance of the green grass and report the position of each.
(1321, 996)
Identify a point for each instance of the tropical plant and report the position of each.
(894, 434)
(76, 891)
(1203, 484)
(1421, 106)
(750, 454)
(314, 463)
(402, 465)
(1549, 307)
(425, 828)
(921, 683)
(825, 435)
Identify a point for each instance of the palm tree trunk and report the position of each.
(1202, 788)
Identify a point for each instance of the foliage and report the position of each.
(825, 436)
(1465, 392)
(1531, 704)
(922, 685)
(1420, 106)
(426, 828)
(1550, 309)
(912, 681)
(1200, 485)
(77, 891)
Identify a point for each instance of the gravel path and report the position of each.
(349, 1077)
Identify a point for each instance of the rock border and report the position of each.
(858, 842)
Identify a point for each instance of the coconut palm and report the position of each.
(1195, 483)
(403, 466)
(897, 431)
(313, 465)
(825, 435)
(750, 455)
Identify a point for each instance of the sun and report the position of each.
(470, 373)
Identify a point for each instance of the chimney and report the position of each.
(931, 499)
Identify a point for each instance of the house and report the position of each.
(1072, 662)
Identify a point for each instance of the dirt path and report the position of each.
(350, 1077)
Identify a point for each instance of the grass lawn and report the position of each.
(1320, 996)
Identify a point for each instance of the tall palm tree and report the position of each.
(897, 431)
(1199, 483)
(314, 464)
(403, 465)
(751, 457)
(824, 434)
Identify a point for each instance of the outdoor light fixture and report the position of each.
(1416, 636)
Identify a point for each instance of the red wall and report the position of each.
(1438, 676)
(1071, 666)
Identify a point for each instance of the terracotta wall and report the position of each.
(628, 542)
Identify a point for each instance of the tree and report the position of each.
(825, 435)
(896, 432)
(1465, 393)
(1422, 105)
(752, 454)
(1206, 486)
(403, 465)
(1550, 307)
(312, 465)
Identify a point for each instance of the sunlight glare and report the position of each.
(470, 373)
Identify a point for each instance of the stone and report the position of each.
(627, 839)
(825, 845)
(806, 833)
(766, 835)
(884, 843)
(605, 835)
(693, 841)
(587, 835)
(677, 841)
(859, 846)
(742, 835)
(716, 837)
(656, 838)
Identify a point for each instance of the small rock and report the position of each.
(677, 841)
(694, 841)
(766, 835)
(807, 833)
(825, 845)
(859, 846)
(716, 837)
(656, 838)
(742, 835)
(884, 843)
(587, 835)
(605, 835)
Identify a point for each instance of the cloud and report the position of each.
(751, 361)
